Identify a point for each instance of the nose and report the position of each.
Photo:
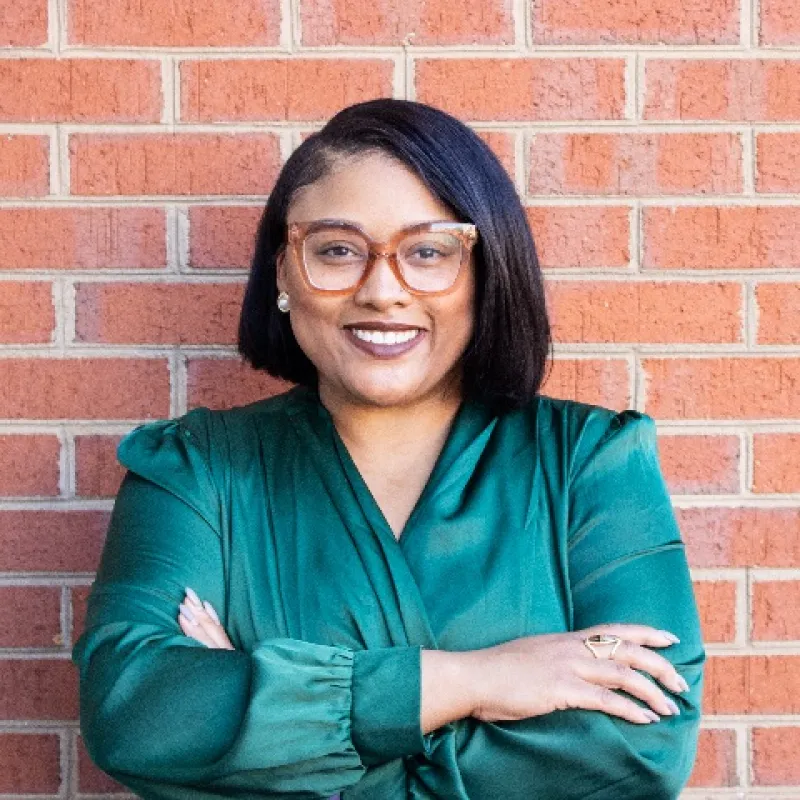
(382, 289)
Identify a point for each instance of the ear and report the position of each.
(280, 269)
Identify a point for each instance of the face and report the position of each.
(382, 196)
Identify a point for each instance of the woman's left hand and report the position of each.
(199, 620)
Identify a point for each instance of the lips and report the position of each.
(388, 341)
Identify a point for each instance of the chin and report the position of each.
(385, 393)
(386, 397)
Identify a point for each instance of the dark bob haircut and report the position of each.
(505, 361)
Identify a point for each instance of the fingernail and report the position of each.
(211, 612)
(651, 715)
(671, 636)
(682, 682)
(187, 612)
(192, 595)
(673, 706)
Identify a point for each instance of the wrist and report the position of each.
(469, 673)
(462, 674)
(448, 687)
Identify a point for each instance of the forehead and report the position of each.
(374, 191)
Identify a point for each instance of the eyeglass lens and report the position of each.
(336, 259)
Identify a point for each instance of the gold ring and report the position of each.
(602, 640)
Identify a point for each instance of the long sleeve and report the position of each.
(626, 563)
(171, 718)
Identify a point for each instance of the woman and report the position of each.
(412, 575)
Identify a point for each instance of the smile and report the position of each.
(385, 337)
(385, 344)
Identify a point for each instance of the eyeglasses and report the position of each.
(337, 256)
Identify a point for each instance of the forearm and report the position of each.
(577, 754)
(280, 716)
(448, 691)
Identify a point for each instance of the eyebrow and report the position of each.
(354, 224)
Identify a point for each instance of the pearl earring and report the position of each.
(283, 302)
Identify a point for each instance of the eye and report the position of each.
(430, 250)
(426, 253)
(336, 250)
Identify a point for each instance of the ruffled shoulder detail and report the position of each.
(605, 434)
(174, 454)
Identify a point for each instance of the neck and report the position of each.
(394, 429)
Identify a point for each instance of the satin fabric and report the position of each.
(547, 519)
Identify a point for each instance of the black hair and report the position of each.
(505, 361)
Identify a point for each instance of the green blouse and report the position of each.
(552, 518)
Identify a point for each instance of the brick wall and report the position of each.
(657, 146)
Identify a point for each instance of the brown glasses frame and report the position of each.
(465, 231)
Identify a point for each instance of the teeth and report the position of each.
(385, 337)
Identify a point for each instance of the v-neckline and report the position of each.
(468, 420)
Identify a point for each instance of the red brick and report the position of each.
(51, 541)
(83, 388)
(778, 313)
(776, 462)
(775, 761)
(79, 599)
(620, 21)
(162, 313)
(502, 145)
(97, 471)
(38, 689)
(752, 685)
(780, 22)
(186, 163)
(778, 162)
(634, 164)
(604, 382)
(27, 315)
(282, 89)
(82, 238)
(448, 22)
(24, 164)
(716, 759)
(613, 311)
(222, 237)
(91, 779)
(716, 602)
(29, 465)
(741, 537)
(227, 382)
(523, 89)
(184, 23)
(776, 610)
(30, 616)
(23, 24)
(708, 237)
(80, 90)
(604, 239)
(30, 763)
(722, 388)
(695, 464)
(757, 90)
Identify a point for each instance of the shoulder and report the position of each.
(250, 430)
(174, 454)
(209, 430)
(583, 430)
(214, 433)
(190, 455)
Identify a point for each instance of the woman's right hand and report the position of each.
(198, 620)
(535, 675)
